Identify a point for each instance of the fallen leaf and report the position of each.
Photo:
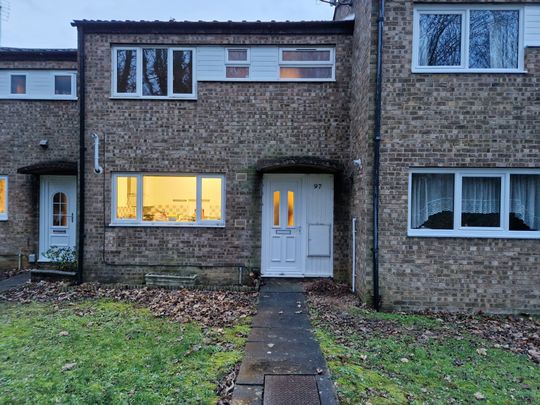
(64, 333)
(404, 360)
(481, 351)
(479, 396)
(69, 366)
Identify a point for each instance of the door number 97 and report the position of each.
(317, 186)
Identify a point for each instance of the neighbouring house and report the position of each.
(395, 148)
(39, 133)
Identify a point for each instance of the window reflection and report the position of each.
(126, 73)
(440, 40)
(155, 72)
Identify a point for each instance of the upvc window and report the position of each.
(237, 61)
(3, 198)
(468, 38)
(168, 200)
(18, 84)
(474, 203)
(311, 64)
(153, 72)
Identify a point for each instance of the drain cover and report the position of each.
(290, 390)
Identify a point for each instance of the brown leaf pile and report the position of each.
(226, 386)
(518, 334)
(10, 273)
(207, 308)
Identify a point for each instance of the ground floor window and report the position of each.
(3, 198)
(168, 199)
(474, 202)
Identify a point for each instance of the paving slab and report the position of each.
(283, 363)
(14, 282)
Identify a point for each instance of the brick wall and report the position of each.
(226, 130)
(449, 120)
(23, 124)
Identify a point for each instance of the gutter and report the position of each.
(377, 156)
(82, 152)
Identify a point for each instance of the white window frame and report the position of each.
(300, 64)
(238, 63)
(4, 216)
(464, 10)
(502, 232)
(18, 95)
(139, 66)
(73, 94)
(199, 222)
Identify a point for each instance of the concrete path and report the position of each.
(14, 282)
(283, 363)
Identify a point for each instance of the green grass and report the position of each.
(123, 355)
(448, 370)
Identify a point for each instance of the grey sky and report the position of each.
(46, 23)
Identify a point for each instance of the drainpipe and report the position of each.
(97, 168)
(377, 156)
(353, 289)
(82, 150)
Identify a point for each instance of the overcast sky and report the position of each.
(46, 23)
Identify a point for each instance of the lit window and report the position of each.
(18, 84)
(460, 37)
(276, 207)
(475, 203)
(306, 64)
(290, 208)
(3, 198)
(237, 72)
(154, 72)
(60, 207)
(126, 197)
(62, 85)
(168, 199)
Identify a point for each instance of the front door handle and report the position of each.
(72, 217)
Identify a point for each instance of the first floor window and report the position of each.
(62, 85)
(306, 64)
(18, 84)
(168, 199)
(467, 37)
(153, 72)
(474, 202)
(3, 197)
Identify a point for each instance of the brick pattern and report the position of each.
(228, 128)
(24, 124)
(447, 120)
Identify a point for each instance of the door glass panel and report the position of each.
(3, 196)
(211, 199)
(60, 203)
(126, 197)
(276, 207)
(290, 208)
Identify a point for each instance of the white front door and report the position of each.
(282, 253)
(58, 213)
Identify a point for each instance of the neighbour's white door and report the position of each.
(282, 254)
(58, 213)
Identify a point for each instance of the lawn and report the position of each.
(100, 351)
(395, 358)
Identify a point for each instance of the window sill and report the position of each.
(161, 98)
(42, 98)
(164, 225)
(474, 234)
(469, 71)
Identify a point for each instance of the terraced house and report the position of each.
(396, 147)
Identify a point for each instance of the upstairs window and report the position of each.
(459, 38)
(154, 72)
(237, 63)
(63, 85)
(312, 64)
(475, 203)
(18, 84)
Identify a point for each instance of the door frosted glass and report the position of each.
(277, 198)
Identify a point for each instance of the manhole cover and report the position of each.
(290, 390)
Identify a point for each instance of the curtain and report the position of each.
(481, 195)
(525, 199)
(431, 194)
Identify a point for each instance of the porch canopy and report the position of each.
(299, 164)
(51, 167)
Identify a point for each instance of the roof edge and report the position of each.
(30, 54)
(217, 27)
